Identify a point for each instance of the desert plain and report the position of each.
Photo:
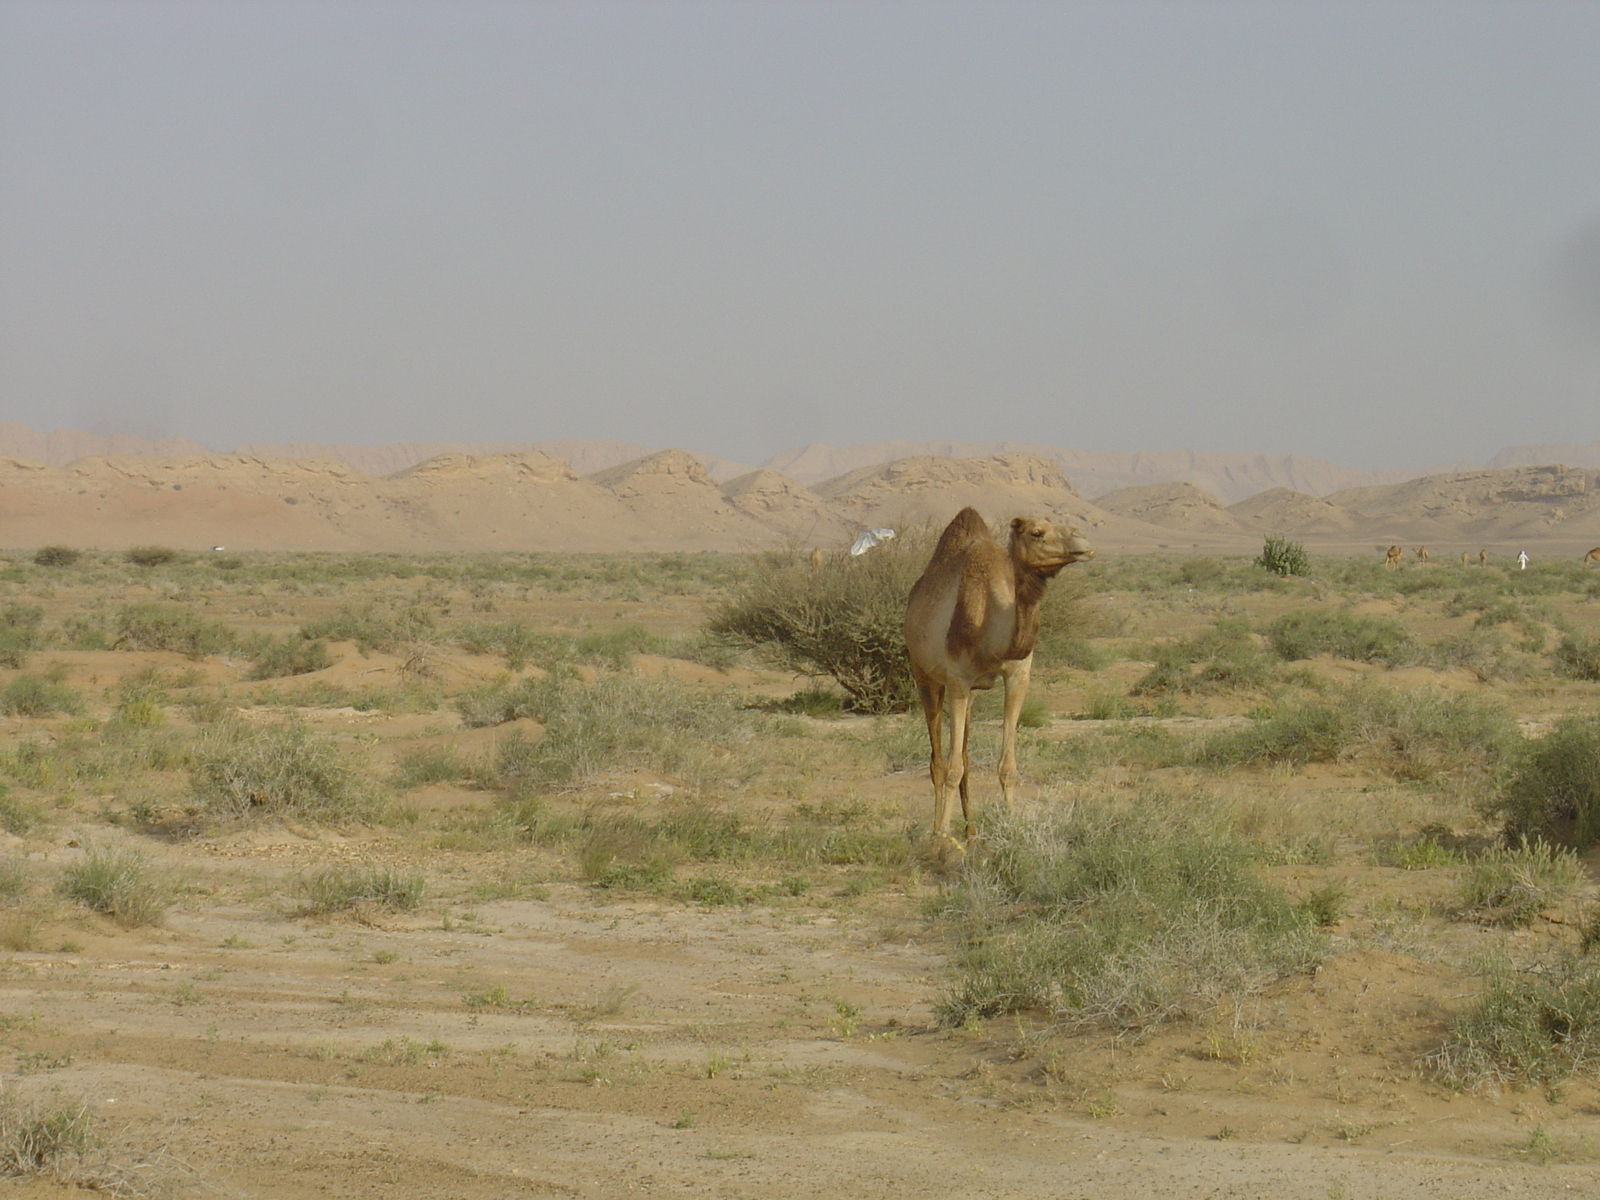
(420, 870)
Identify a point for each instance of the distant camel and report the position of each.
(972, 618)
(816, 557)
(1464, 558)
(1483, 558)
(1391, 558)
(1592, 556)
(1422, 554)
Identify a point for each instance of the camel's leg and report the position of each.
(1017, 675)
(966, 774)
(959, 701)
(932, 696)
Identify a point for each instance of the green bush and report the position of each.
(374, 627)
(1578, 658)
(1416, 734)
(151, 556)
(1511, 886)
(30, 696)
(1119, 918)
(169, 627)
(337, 889)
(619, 722)
(1228, 659)
(278, 657)
(1553, 791)
(1283, 557)
(56, 556)
(844, 618)
(1527, 1027)
(119, 882)
(277, 770)
(1310, 632)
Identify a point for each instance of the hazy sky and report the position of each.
(1365, 231)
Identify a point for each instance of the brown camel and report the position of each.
(1483, 558)
(1391, 558)
(972, 618)
(1422, 554)
(1464, 558)
(1592, 556)
(816, 557)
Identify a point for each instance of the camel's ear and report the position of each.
(1016, 524)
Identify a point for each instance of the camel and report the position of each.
(1592, 556)
(816, 557)
(1422, 554)
(1464, 558)
(1391, 558)
(1483, 558)
(972, 618)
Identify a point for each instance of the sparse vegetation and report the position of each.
(1384, 827)
(276, 770)
(1554, 789)
(338, 889)
(1124, 918)
(120, 882)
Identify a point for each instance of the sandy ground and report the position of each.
(581, 1045)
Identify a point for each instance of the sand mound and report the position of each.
(671, 494)
(1284, 510)
(774, 499)
(911, 490)
(1520, 502)
(1170, 505)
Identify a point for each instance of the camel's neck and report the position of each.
(1029, 592)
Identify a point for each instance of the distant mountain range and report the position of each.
(1228, 477)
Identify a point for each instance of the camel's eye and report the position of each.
(1037, 533)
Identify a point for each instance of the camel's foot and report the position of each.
(944, 854)
(972, 833)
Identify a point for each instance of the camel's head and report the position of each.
(1044, 548)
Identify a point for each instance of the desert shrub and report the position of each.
(1578, 658)
(13, 877)
(1222, 659)
(19, 633)
(338, 889)
(1527, 1027)
(56, 1139)
(1511, 885)
(844, 618)
(278, 657)
(56, 556)
(1123, 918)
(1416, 734)
(1310, 632)
(169, 627)
(375, 627)
(1553, 791)
(86, 631)
(517, 643)
(430, 764)
(1483, 651)
(1283, 557)
(31, 696)
(151, 556)
(120, 882)
(619, 722)
(276, 770)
